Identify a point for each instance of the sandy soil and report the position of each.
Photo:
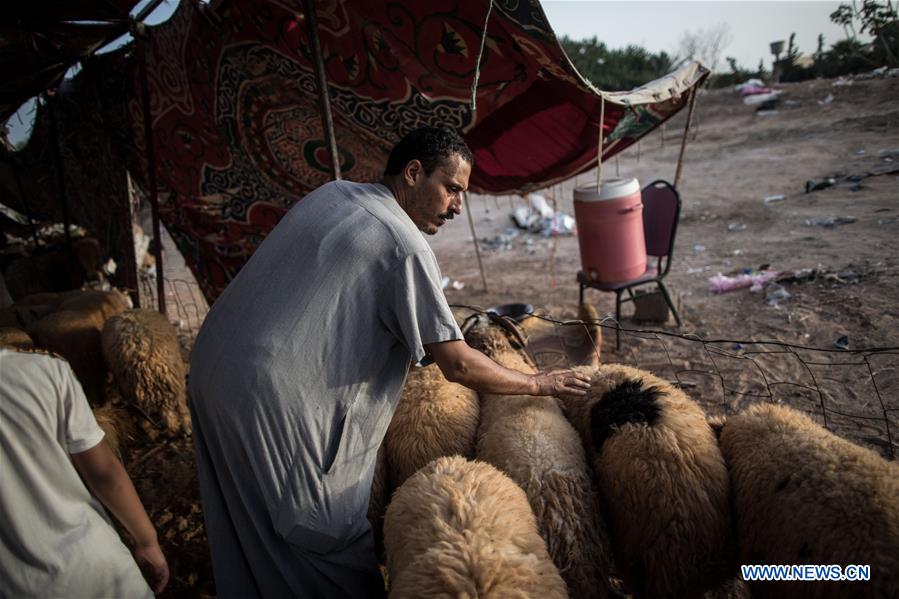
(734, 159)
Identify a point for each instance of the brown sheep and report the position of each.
(802, 495)
(141, 349)
(73, 331)
(377, 501)
(434, 418)
(663, 479)
(529, 439)
(463, 529)
(116, 425)
(15, 338)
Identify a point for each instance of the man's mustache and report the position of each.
(448, 215)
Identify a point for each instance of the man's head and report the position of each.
(427, 172)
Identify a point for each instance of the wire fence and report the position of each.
(851, 392)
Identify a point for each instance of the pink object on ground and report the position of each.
(755, 281)
(610, 230)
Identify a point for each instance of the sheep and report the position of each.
(52, 270)
(434, 418)
(463, 529)
(529, 439)
(73, 331)
(116, 425)
(663, 479)
(15, 338)
(75, 335)
(802, 495)
(141, 349)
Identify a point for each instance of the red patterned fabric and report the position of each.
(238, 137)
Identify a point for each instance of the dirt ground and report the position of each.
(734, 348)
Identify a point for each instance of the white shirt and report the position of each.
(55, 538)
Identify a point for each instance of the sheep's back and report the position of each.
(664, 482)
(434, 418)
(143, 353)
(457, 525)
(802, 495)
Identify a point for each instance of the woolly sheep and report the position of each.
(116, 425)
(463, 529)
(143, 353)
(663, 479)
(73, 331)
(75, 335)
(802, 495)
(434, 418)
(529, 439)
(15, 338)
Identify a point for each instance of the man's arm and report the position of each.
(461, 364)
(107, 479)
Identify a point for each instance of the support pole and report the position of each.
(143, 45)
(60, 181)
(474, 238)
(15, 170)
(324, 102)
(683, 145)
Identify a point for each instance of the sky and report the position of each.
(656, 25)
(659, 25)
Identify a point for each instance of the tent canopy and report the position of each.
(238, 138)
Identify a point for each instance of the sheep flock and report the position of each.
(629, 491)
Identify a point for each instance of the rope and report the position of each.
(602, 119)
(477, 66)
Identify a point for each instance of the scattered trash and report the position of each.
(540, 218)
(736, 227)
(827, 100)
(698, 269)
(841, 278)
(859, 152)
(779, 197)
(737, 346)
(775, 293)
(760, 98)
(830, 222)
(887, 221)
(457, 285)
(444, 282)
(812, 185)
(792, 102)
(559, 224)
(539, 205)
(737, 252)
(842, 81)
(842, 342)
(698, 248)
(755, 281)
(751, 86)
(802, 275)
(894, 153)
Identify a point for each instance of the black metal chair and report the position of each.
(661, 212)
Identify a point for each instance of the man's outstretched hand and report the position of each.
(561, 382)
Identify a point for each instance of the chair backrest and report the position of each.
(661, 211)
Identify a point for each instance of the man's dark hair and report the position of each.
(430, 146)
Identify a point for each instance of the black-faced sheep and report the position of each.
(463, 529)
(802, 495)
(529, 439)
(663, 478)
(141, 349)
(434, 418)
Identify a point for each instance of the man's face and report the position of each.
(436, 198)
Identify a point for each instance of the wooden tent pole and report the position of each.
(474, 238)
(324, 101)
(143, 45)
(60, 180)
(683, 145)
(15, 171)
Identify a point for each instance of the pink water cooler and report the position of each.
(610, 230)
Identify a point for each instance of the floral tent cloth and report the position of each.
(238, 136)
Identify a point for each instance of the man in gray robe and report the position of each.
(299, 366)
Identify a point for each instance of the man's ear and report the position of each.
(412, 172)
